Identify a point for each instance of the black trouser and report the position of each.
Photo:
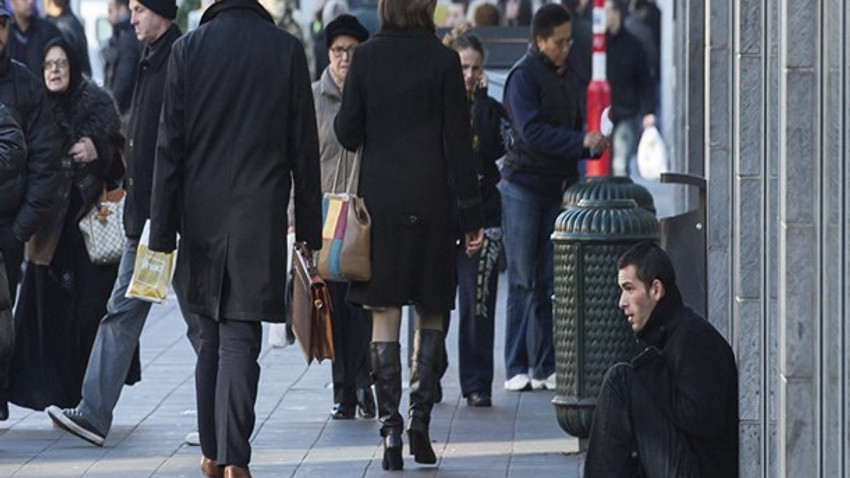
(13, 257)
(226, 378)
(631, 437)
(478, 279)
(352, 329)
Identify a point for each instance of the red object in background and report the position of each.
(598, 91)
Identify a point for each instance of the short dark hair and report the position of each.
(651, 262)
(547, 18)
(468, 40)
(487, 15)
(406, 13)
(125, 3)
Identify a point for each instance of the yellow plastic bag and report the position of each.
(152, 272)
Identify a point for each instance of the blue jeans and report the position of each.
(528, 220)
(114, 345)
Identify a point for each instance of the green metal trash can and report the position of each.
(590, 331)
(613, 187)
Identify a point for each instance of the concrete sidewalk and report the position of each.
(294, 435)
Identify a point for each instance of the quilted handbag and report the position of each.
(346, 234)
(103, 228)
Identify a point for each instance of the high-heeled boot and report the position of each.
(428, 347)
(386, 367)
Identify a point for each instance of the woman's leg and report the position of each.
(386, 366)
(428, 346)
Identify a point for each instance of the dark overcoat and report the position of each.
(405, 103)
(146, 107)
(237, 129)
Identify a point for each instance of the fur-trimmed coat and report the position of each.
(90, 112)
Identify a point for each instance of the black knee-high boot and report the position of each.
(428, 347)
(386, 367)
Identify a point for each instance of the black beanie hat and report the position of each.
(345, 25)
(164, 8)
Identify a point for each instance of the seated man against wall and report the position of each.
(672, 411)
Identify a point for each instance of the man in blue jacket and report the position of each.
(548, 141)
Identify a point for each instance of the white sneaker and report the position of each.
(547, 384)
(518, 383)
(193, 439)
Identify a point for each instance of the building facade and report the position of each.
(763, 112)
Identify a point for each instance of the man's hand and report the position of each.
(473, 242)
(8, 238)
(596, 142)
(83, 151)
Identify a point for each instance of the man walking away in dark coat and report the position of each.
(28, 198)
(672, 411)
(238, 127)
(59, 13)
(13, 162)
(121, 56)
(629, 73)
(117, 340)
(29, 34)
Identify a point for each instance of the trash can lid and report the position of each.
(606, 220)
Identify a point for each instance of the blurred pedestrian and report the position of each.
(117, 341)
(63, 294)
(59, 13)
(411, 117)
(225, 165)
(351, 324)
(673, 410)
(548, 141)
(121, 56)
(13, 162)
(30, 34)
(581, 53)
(478, 275)
(26, 200)
(629, 74)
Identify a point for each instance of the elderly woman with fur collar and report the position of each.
(64, 295)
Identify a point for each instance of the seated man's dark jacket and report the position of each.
(548, 127)
(695, 382)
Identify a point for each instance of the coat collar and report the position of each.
(157, 52)
(327, 87)
(663, 319)
(407, 32)
(225, 5)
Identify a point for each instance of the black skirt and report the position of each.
(56, 320)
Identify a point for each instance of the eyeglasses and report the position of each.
(338, 51)
(60, 63)
(564, 43)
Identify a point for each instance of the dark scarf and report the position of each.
(662, 319)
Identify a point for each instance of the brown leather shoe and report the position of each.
(210, 469)
(235, 472)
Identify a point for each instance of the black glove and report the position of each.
(8, 238)
(648, 355)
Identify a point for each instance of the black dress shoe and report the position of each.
(365, 403)
(479, 399)
(343, 411)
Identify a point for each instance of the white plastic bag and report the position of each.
(152, 271)
(651, 155)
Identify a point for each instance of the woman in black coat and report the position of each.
(63, 295)
(405, 106)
